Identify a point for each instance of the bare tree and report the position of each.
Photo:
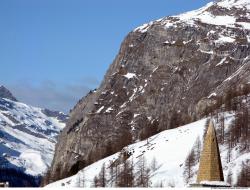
(78, 184)
(111, 174)
(96, 182)
(229, 148)
(222, 128)
(102, 176)
(81, 179)
(154, 165)
(244, 176)
(126, 174)
(229, 177)
(143, 179)
(171, 183)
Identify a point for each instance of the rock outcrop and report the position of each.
(166, 73)
(5, 93)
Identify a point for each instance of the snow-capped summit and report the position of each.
(229, 13)
(27, 135)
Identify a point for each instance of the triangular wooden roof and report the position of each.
(210, 168)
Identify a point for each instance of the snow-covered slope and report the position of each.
(27, 136)
(170, 148)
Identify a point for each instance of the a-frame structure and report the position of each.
(210, 168)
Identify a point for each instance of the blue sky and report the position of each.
(53, 51)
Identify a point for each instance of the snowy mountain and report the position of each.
(28, 136)
(165, 153)
(168, 73)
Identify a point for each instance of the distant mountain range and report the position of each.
(27, 136)
(5, 93)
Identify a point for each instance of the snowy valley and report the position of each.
(27, 136)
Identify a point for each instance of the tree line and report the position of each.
(125, 173)
(237, 101)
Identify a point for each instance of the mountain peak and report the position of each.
(234, 14)
(5, 93)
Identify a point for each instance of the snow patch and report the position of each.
(100, 109)
(212, 95)
(224, 39)
(155, 69)
(217, 183)
(33, 162)
(221, 62)
(136, 115)
(109, 110)
(132, 97)
(144, 28)
(130, 75)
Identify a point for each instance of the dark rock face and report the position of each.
(5, 93)
(56, 114)
(165, 70)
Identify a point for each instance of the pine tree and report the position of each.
(126, 174)
(197, 149)
(188, 166)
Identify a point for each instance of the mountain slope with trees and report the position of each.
(167, 159)
(167, 73)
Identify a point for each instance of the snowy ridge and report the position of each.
(207, 17)
(204, 15)
(170, 149)
(234, 3)
(27, 137)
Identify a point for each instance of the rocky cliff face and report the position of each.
(165, 74)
